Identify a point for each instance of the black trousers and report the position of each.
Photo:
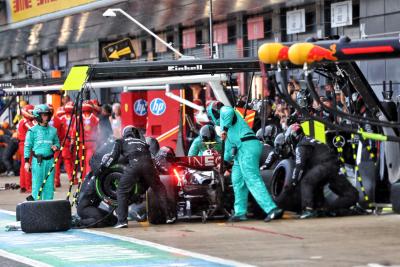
(8, 162)
(142, 171)
(93, 216)
(327, 173)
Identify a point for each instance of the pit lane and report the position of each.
(346, 241)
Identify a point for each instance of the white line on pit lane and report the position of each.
(172, 249)
(22, 259)
(131, 240)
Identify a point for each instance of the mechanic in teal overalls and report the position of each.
(245, 171)
(42, 141)
(207, 139)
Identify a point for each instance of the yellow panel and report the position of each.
(76, 78)
(306, 127)
(319, 132)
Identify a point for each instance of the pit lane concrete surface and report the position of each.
(348, 241)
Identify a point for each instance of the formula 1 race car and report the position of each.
(194, 185)
(198, 188)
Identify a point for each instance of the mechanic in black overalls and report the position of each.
(88, 206)
(281, 151)
(316, 166)
(154, 146)
(141, 169)
(270, 133)
(165, 160)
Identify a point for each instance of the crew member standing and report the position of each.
(96, 107)
(9, 151)
(42, 141)
(57, 123)
(66, 153)
(207, 139)
(245, 171)
(25, 178)
(141, 168)
(90, 131)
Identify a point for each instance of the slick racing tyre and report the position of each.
(285, 199)
(45, 216)
(395, 197)
(170, 186)
(18, 212)
(267, 178)
(253, 206)
(265, 151)
(155, 214)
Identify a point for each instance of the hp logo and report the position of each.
(158, 106)
(140, 107)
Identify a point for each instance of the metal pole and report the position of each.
(36, 68)
(148, 31)
(211, 31)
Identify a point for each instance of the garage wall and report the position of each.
(381, 16)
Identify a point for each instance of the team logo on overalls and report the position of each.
(158, 106)
(140, 107)
(87, 125)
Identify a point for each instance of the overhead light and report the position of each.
(109, 13)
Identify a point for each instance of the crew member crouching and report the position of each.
(316, 166)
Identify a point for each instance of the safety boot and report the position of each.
(274, 214)
(236, 218)
(121, 225)
(171, 220)
(308, 213)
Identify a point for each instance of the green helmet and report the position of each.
(39, 110)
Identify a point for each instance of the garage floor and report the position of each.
(349, 241)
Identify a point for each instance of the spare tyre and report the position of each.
(45, 216)
(282, 175)
(18, 212)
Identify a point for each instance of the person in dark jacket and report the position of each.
(269, 134)
(281, 151)
(105, 129)
(9, 151)
(316, 166)
(141, 168)
(165, 160)
(154, 146)
(88, 206)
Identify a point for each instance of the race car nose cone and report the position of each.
(298, 53)
(271, 53)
